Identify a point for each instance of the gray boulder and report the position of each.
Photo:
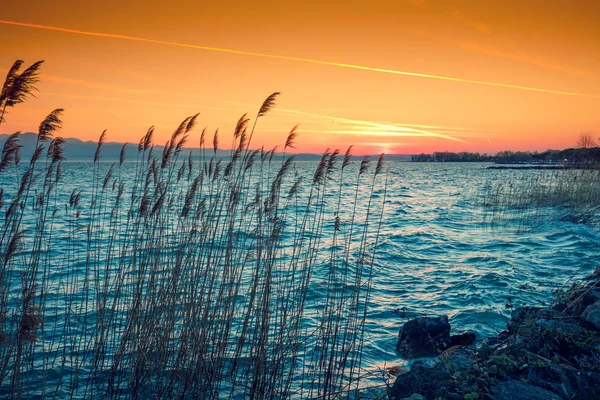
(415, 396)
(591, 315)
(424, 337)
(515, 390)
(463, 339)
(426, 377)
(459, 359)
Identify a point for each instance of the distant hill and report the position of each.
(78, 150)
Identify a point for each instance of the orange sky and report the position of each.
(369, 73)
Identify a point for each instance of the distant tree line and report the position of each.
(589, 155)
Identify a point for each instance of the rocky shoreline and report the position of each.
(546, 353)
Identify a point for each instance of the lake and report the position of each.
(111, 272)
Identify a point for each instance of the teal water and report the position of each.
(437, 252)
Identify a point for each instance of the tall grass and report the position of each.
(536, 197)
(174, 275)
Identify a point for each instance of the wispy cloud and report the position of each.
(95, 85)
(511, 55)
(348, 126)
(148, 102)
(298, 59)
(314, 122)
(371, 128)
(479, 26)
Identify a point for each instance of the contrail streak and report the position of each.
(289, 58)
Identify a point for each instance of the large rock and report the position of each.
(463, 339)
(565, 380)
(524, 315)
(591, 315)
(590, 297)
(424, 337)
(515, 390)
(426, 377)
(415, 396)
(459, 358)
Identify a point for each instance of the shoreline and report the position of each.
(545, 353)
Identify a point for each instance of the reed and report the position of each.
(537, 197)
(174, 276)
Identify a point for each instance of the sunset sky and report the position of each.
(398, 77)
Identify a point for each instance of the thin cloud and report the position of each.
(362, 127)
(101, 86)
(298, 59)
(148, 102)
(95, 85)
(350, 126)
(528, 59)
(479, 26)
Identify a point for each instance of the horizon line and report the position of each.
(134, 145)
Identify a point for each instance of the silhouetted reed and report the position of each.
(169, 278)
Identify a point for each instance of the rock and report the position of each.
(414, 396)
(590, 297)
(591, 315)
(463, 339)
(424, 337)
(459, 358)
(547, 337)
(425, 377)
(503, 335)
(519, 315)
(523, 315)
(494, 341)
(565, 381)
(515, 390)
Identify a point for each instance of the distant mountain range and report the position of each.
(78, 150)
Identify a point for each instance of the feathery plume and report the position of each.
(268, 104)
(190, 163)
(180, 129)
(55, 150)
(10, 152)
(8, 81)
(289, 142)
(13, 245)
(251, 159)
(272, 153)
(240, 126)
(202, 137)
(379, 164)
(191, 123)
(36, 154)
(347, 157)
(108, 175)
(18, 87)
(100, 143)
(320, 171)
(331, 162)
(148, 138)
(216, 140)
(122, 155)
(50, 124)
(294, 188)
(364, 164)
